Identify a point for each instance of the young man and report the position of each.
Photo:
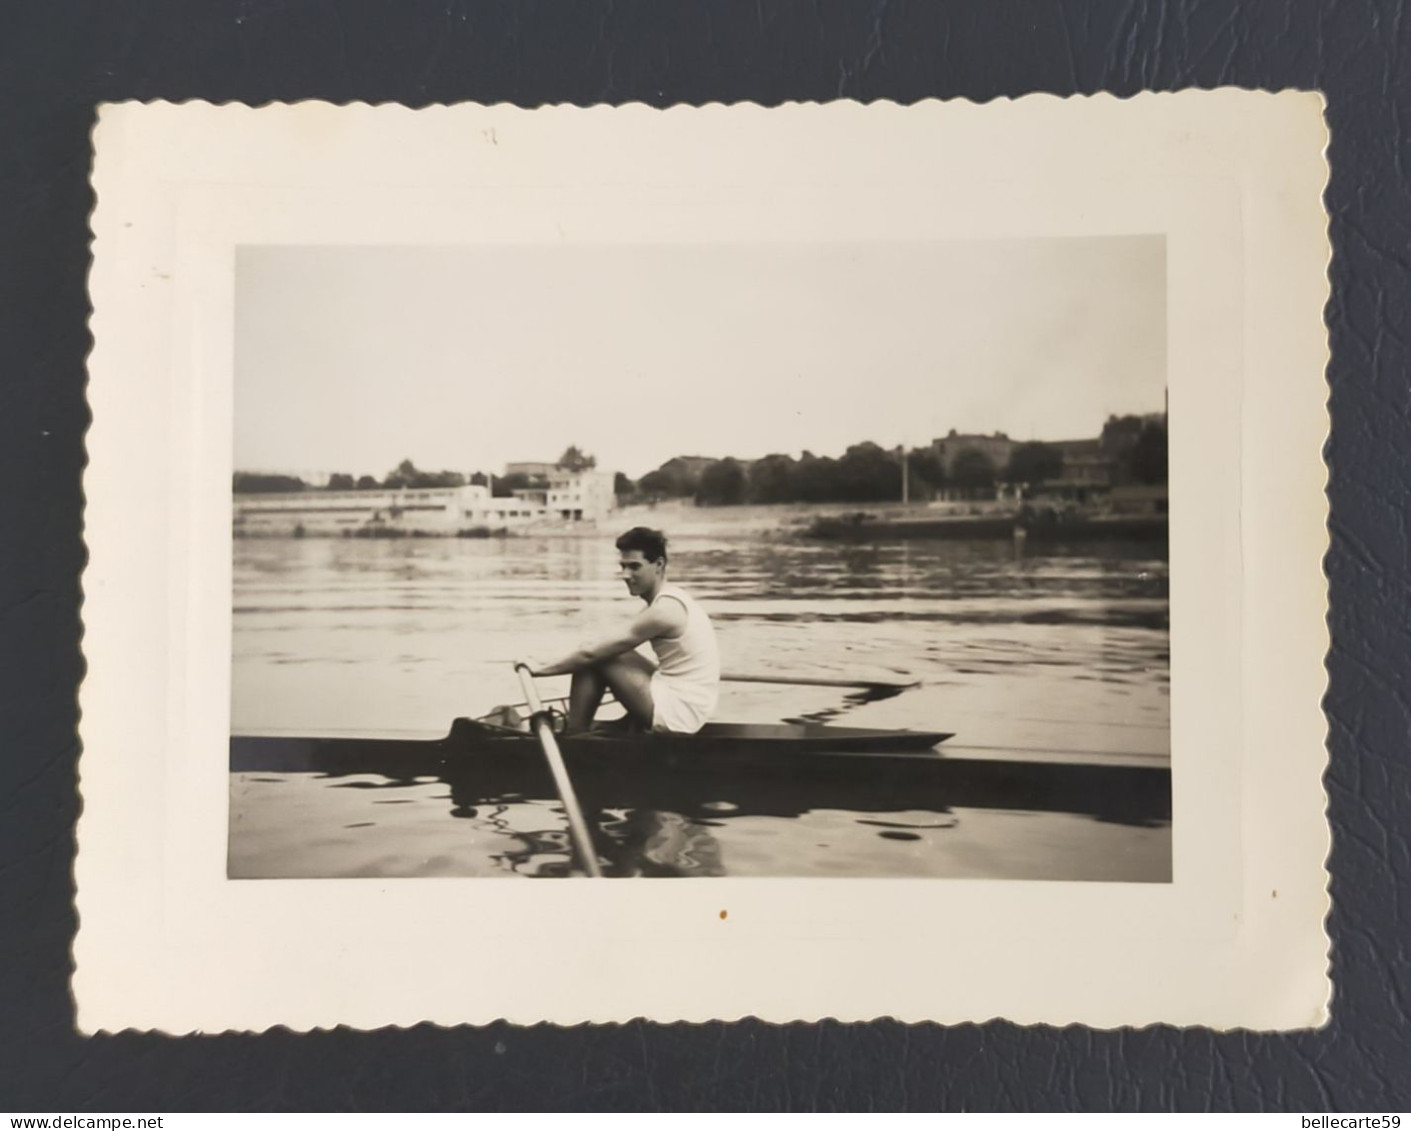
(678, 693)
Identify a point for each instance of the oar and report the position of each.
(797, 680)
(815, 681)
(577, 827)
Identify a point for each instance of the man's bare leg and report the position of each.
(630, 677)
(585, 695)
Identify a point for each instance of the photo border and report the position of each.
(171, 184)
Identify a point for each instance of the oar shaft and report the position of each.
(811, 681)
(577, 826)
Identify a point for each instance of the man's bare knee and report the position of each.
(631, 683)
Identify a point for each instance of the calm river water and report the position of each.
(1055, 655)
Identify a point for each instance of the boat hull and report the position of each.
(739, 744)
(842, 768)
(764, 739)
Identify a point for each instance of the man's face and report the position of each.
(639, 574)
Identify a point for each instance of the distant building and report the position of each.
(581, 496)
(431, 510)
(534, 469)
(996, 447)
(692, 465)
(573, 496)
(1065, 491)
(1139, 498)
(1085, 462)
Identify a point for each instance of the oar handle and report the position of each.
(539, 721)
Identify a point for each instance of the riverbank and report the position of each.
(683, 519)
(977, 521)
(864, 527)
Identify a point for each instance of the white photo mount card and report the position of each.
(919, 511)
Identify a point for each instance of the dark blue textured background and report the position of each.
(61, 57)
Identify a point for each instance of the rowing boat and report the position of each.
(781, 770)
(478, 741)
(615, 776)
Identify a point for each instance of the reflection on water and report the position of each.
(839, 817)
(1060, 651)
(297, 825)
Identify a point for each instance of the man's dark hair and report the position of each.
(652, 543)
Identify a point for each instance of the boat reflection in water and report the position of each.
(638, 842)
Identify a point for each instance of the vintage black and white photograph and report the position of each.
(880, 542)
(821, 560)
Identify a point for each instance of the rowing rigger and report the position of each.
(873, 688)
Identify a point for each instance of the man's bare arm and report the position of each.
(667, 618)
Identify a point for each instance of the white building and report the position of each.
(428, 510)
(581, 496)
(572, 496)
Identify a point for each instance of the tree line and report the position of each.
(405, 474)
(867, 472)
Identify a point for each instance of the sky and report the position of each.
(353, 359)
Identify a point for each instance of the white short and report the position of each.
(678, 709)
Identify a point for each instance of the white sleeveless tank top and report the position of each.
(688, 667)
